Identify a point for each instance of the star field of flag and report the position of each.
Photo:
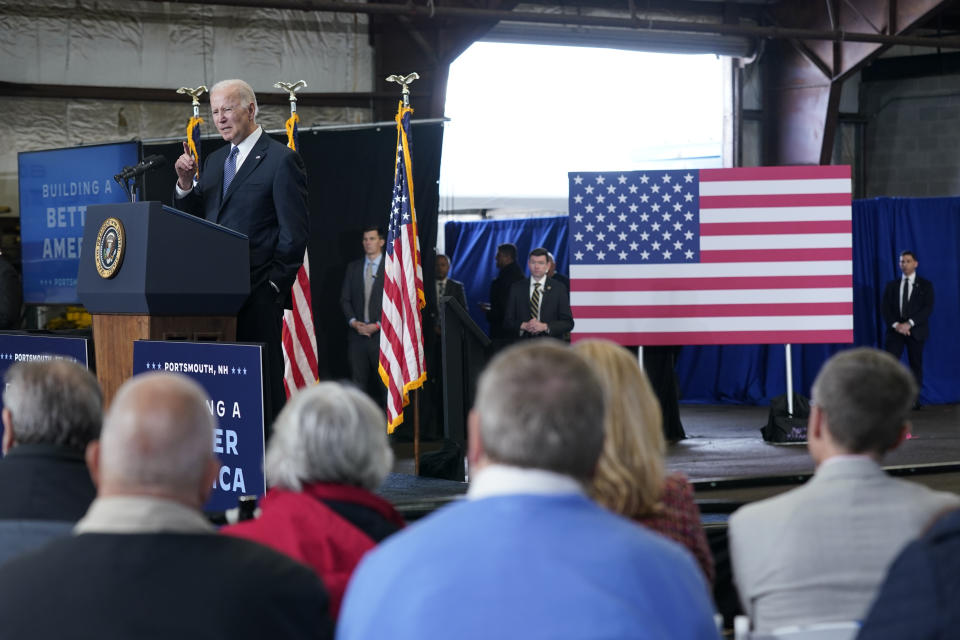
(634, 217)
(400, 207)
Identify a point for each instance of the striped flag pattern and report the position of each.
(717, 256)
(298, 338)
(402, 366)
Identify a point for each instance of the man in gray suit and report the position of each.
(361, 299)
(820, 552)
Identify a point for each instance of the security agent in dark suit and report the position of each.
(538, 306)
(257, 186)
(553, 273)
(510, 272)
(445, 288)
(907, 305)
(361, 299)
(448, 286)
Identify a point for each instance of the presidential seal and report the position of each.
(111, 241)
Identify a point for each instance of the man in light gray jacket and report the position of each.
(819, 553)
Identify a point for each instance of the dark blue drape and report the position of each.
(754, 374)
(473, 245)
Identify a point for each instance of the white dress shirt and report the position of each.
(141, 514)
(502, 480)
(543, 288)
(906, 281)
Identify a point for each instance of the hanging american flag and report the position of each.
(402, 366)
(713, 256)
(298, 338)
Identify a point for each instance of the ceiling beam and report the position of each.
(574, 17)
(802, 84)
(138, 94)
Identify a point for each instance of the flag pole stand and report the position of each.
(789, 365)
(416, 432)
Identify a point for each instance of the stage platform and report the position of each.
(728, 462)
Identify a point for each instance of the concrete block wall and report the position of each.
(912, 137)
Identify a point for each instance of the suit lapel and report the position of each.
(256, 156)
(546, 296)
(213, 175)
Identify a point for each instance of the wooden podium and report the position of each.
(150, 272)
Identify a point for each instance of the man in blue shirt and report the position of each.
(528, 554)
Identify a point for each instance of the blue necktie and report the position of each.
(230, 169)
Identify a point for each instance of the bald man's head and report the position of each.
(157, 440)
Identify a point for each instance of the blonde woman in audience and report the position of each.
(630, 477)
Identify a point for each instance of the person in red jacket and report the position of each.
(328, 452)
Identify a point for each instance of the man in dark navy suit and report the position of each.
(916, 599)
(509, 272)
(538, 305)
(907, 305)
(447, 286)
(257, 186)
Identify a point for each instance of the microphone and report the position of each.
(150, 162)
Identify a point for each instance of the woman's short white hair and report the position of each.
(329, 433)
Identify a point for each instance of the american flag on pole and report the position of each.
(402, 365)
(712, 256)
(298, 338)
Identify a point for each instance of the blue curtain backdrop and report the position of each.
(473, 245)
(754, 374)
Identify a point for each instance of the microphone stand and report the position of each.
(129, 186)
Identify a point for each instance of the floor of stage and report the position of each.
(724, 442)
(726, 458)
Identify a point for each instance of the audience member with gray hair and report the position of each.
(52, 410)
(528, 554)
(328, 452)
(145, 562)
(819, 553)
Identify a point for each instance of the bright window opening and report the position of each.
(522, 116)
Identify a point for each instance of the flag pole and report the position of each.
(298, 337)
(193, 127)
(291, 88)
(404, 82)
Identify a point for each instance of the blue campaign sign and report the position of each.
(233, 378)
(56, 187)
(25, 347)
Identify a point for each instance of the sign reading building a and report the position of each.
(232, 376)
